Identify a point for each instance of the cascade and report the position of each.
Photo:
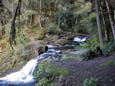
(24, 77)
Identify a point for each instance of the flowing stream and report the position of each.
(24, 77)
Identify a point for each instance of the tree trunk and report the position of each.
(1, 3)
(111, 20)
(98, 23)
(106, 22)
(104, 28)
(13, 25)
(40, 6)
(1, 19)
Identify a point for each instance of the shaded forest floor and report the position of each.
(102, 68)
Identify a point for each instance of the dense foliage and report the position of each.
(49, 74)
(24, 24)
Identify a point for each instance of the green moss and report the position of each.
(108, 63)
(48, 74)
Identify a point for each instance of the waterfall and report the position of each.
(25, 75)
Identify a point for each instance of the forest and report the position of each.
(57, 42)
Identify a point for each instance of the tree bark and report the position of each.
(40, 6)
(98, 23)
(111, 20)
(1, 3)
(106, 23)
(13, 25)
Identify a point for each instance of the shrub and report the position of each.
(88, 55)
(109, 47)
(22, 38)
(90, 82)
(93, 42)
(48, 74)
(91, 45)
(38, 33)
(54, 30)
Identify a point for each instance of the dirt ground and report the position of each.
(101, 68)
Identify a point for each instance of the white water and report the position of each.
(25, 75)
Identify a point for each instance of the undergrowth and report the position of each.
(90, 82)
(49, 74)
(107, 64)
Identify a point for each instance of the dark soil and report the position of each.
(79, 71)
